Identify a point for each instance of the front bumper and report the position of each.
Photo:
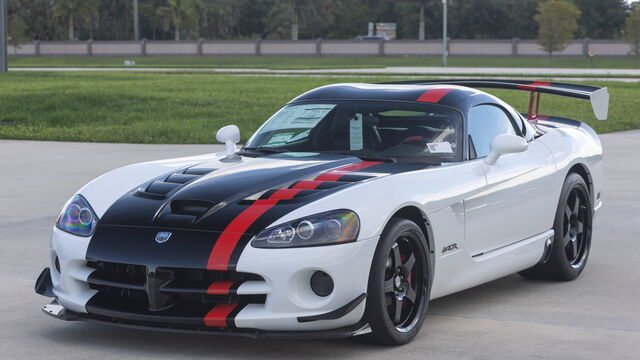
(55, 310)
(287, 303)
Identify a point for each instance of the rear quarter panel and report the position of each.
(577, 145)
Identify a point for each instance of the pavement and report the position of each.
(596, 316)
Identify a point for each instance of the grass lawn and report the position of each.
(189, 108)
(278, 62)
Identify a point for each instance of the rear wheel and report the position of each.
(572, 237)
(398, 284)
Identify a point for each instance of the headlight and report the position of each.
(77, 217)
(333, 227)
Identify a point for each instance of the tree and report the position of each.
(17, 32)
(182, 15)
(632, 32)
(557, 24)
(74, 11)
(601, 19)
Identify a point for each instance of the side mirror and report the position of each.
(505, 144)
(229, 136)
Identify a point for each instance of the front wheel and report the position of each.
(572, 234)
(399, 284)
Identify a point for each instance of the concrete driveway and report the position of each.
(594, 317)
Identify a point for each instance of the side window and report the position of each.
(485, 123)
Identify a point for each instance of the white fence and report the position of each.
(514, 47)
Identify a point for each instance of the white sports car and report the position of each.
(343, 215)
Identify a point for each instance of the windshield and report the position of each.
(364, 128)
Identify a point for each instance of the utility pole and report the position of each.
(445, 50)
(3, 36)
(136, 24)
(421, 25)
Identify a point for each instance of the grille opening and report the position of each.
(133, 287)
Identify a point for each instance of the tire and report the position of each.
(399, 284)
(572, 234)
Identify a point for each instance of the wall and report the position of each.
(512, 47)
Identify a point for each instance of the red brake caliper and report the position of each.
(402, 258)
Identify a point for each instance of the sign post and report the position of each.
(3, 35)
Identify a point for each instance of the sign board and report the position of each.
(386, 30)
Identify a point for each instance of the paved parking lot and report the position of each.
(594, 317)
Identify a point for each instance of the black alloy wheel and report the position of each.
(399, 284)
(572, 234)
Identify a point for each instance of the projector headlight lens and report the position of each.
(77, 217)
(333, 227)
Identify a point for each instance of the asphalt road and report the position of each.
(597, 316)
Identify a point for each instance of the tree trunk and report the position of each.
(421, 26)
(549, 58)
(70, 27)
(177, 34)
(294, 25)
(136, 24)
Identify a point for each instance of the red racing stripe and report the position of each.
(220, 288)
(337, 173)
(284, 194)
(307, 184)
(433, 95)
(221, 253)
(218, 316)
(231, 235)
(534, 85)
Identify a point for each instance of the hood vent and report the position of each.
(195, 208)
(304, 188)
(159, 188)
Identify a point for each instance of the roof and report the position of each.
(460, 97)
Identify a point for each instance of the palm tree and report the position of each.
(73, 11)
(181, 14)
(308, 11)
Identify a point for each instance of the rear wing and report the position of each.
(599, 97)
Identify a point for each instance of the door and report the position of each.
(518, 201)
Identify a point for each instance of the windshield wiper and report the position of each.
(376, 158)
(369, 157)
(266, 149)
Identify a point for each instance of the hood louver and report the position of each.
(160, 188)
(305, 188)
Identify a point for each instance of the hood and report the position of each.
(206, 198)
(226, 205)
